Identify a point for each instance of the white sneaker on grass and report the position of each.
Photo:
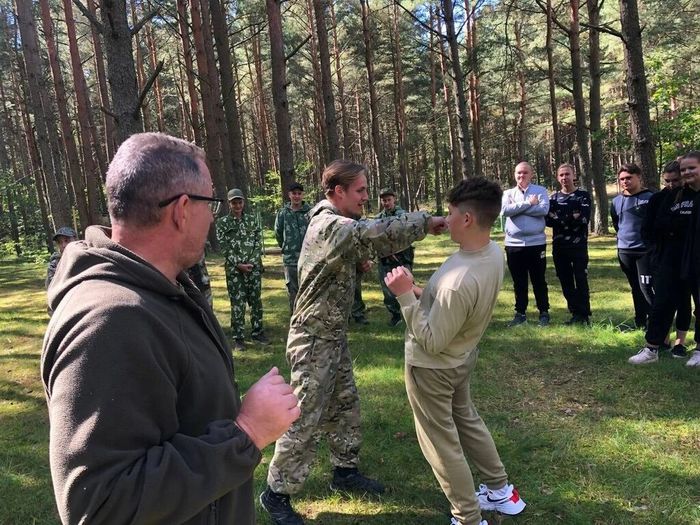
(506, 500)
(455, 521)
(694, 358)
(645, 356)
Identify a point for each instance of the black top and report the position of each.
(569, 216)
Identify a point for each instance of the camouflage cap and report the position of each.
(235, 193)
(65, 231)
(387, 191)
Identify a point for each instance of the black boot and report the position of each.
(279, 508)
(350, 480)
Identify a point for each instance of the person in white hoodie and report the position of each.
(525, 207)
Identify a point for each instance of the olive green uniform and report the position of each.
(290, 227)
(386, 264)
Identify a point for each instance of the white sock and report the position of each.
(500, 493)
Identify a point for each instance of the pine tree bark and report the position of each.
(519, 138)
(38, 106)
(556, 139)
(279, 94)
(600, 211)
(378, 157)
(228, 92)
(332, 143)
(400, 111)
(75, 175)
(637, 93)
(189, 71)
(435, 115)
(455, 157)
(262, 147)
(153, 57)
(344, 119)
(579, 104)
(140, 71)
(121, 70)
(474, 91)
(460, 98)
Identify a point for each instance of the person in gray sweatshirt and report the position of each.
(525, 207)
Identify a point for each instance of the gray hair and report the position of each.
(147, 169)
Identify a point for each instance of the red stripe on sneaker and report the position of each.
(515, 497)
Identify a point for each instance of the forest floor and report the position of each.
(587, 438)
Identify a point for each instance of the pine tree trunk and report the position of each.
(600, 222)
(332, 148)
(263, 147)
(400, 111)
(474, 96)
(522, 95)
(279, 94)
(460, 98)
(140, 71)
(434, 116)
(153, 56)
(638, 95)
(378, 157)
(579, 104)
(75, 175)
(120, 69)
(344, 118)
(50, 161)
(456, 162)
(92, 177)
(189, 71)
(552, 86)
(228, 92)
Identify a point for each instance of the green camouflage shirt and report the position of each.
(290, 227)
(403, 257)
(240, 240)
(333, 245)
(51, 269)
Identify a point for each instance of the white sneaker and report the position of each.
(455, 521)
(645, 356)
(509, 504)
(694, 359)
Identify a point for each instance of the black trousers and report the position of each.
(524, 261)
(671, 297)
(571, 264)
(637, 268)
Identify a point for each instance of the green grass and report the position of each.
(587, 438)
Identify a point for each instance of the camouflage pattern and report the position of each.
(333, 245)
(317, 348)
(51, 268)
(323, 380)
(241, 243)
(200, 277)
(386, 264)
(290, 227)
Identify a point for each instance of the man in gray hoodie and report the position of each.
(146, 421)
(525, 207)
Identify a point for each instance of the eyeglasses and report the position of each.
(213, 203)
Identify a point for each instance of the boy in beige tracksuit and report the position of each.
(444, 323)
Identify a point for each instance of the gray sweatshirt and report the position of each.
(524, 221)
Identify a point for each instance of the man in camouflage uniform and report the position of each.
(317, 348)
(290, 227)
(386, 264)
(62, 237)
(241, 243)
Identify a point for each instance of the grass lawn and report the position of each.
(587, 438)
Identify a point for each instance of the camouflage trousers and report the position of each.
(244, 288)
(389, 298)
(291, 280)
(358, 305)
(323, 380)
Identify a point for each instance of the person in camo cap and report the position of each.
(241, 243)
(386, 264)
(317, 347)
(61, 238)
(290, 227)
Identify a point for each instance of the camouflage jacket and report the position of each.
(51, 269)
(200, 275)
(290, 227)
(332, 246)
(240, 240)
(403, 257)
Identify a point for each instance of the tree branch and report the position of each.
(108, 112)
(138, 25)
(147, 87)
(86, 12)
(557, 23)
(422, 24)
(296, 49)
(606, 29)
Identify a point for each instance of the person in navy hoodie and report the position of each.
(569, 216)
(627, 212)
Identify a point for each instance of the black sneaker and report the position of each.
(679, 352)
(517, 319)
(353, 481)
(395, 320)
(261, 339)
(578, 319)
(544, 319)
(238, 344)
(279, 508)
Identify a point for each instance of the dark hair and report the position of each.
(673, 167)
(341, 172)
(630, 168)
(149, 168)
(479, 196)
(692, 154)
